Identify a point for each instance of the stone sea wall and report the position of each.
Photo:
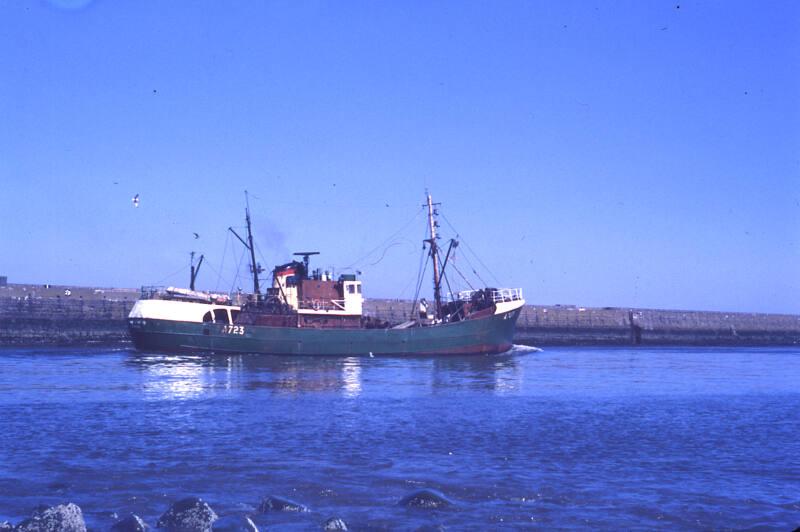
(570, 325)
(39, 315)
(61, 315)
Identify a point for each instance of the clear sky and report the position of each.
(625, 153)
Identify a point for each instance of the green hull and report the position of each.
(493, 334)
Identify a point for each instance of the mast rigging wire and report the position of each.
(219, 276)
(382, 244)
(173, 274)
(446, 280)
(462, 276)
(473, 253)
(222, 261)
(420, 278)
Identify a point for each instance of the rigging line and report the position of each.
(259, 253)
(472, 267)
(419, 285)
(222, 260)
(393, 236)
(387, 248)
(471, 251)
(238, 267)
(402, 292)
(420, 272)
(219, 276)
(462, 276)
(446, 280)
(173, 274)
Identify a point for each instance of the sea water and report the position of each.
(603, 438)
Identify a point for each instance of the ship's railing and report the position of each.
(182, 294)
(152, 292)
(497, 295)
(321, 304)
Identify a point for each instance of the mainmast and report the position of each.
(255, 268)
(437, 296)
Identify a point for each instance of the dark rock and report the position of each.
(188, 515)
(426, 498)
(234, 523)
(61, 518)
(279, 504)
(58, 487)
(132, 523)
(334, 523)
(5, 526)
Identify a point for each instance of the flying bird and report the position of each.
(135, 200)
(196, 236)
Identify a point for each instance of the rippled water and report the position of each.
(602, 438)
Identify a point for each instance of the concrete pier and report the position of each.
(64, 315)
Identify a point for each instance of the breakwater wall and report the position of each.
(58, 315)
(570, 325)
(62, 315)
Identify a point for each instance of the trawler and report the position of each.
(309, 312)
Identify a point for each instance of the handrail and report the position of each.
(170, 292)
(321, 304)
(498, 295)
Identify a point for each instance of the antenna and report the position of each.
(305, 255)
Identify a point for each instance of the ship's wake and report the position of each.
(519, 349)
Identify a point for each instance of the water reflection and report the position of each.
(176, 377)
(171, 376)
(351, 376)
(499, 373)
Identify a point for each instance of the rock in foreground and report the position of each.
(426, 498)
(188, 515)
(61, 518)
(279, 504)
(334, 523)
(234, 523)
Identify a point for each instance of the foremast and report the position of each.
(434, 251)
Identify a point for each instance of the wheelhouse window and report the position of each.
(208, 317)
(221, 315)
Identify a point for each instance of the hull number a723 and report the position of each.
(233, 329)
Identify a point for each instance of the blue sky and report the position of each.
(619, 153)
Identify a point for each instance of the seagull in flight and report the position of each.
(135, 200)
(196, 236)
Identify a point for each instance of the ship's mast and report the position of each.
(434, 250)
(254, 267)
(194, 270)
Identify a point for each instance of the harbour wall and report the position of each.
(59, 315)
(542, 325)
